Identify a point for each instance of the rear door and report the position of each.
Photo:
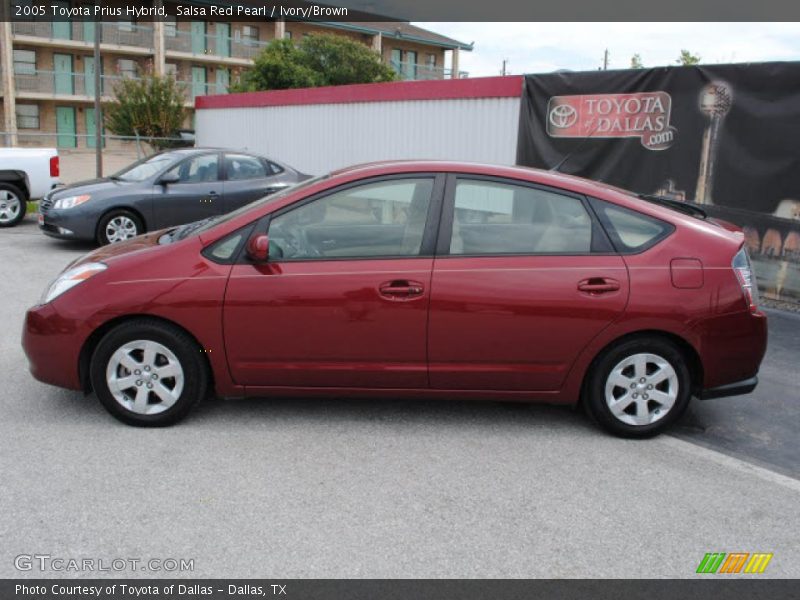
(196, 195)
(524, 278)
(248, 178)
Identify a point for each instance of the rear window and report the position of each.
(630, 231)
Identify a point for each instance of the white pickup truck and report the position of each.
(25, 174)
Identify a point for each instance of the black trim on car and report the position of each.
(738, 388)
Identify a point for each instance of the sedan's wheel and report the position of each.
(118, 226)
(148, 373)
(639, 387)
(12, 205)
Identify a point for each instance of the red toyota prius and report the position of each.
(415, 279)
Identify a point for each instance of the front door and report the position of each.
(198, 37)
(88, 75)
(343, 301)
(198, 82)
(223, 41)
(91, 129)
(523, 280)
(62, 30)
(63, 77)
(223, 80)
(196, 195)
(89, 31)
(65, 127)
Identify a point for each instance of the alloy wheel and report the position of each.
(9, 206)
(145, 377)
(120, 228)
(641, 389)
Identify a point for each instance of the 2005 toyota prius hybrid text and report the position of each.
(415, 279)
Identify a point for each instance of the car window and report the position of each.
(199, 169)
(502, 218)
(240, 166)
(385, 218)
(630, 231)
(145, 168)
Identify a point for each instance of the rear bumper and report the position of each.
(738, 388)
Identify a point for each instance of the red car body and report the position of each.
(495, 327)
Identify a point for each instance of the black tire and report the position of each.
(595, 400)
(117, 214)
(195, 374)
(13, 205)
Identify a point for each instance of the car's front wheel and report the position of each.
(12, 205)
(148, 373)
(639, 387)
(118, 226)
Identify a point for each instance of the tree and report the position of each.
(687, 58)
(636, 62)
(149, 106)
(320, 59)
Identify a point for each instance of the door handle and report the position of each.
(598, 285)
(213, 194)
(275, 187)
(401, 289)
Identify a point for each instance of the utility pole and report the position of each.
(98, 118)
(605, 60)
(504, 72)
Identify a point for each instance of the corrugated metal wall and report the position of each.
(321, 137)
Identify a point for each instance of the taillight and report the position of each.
(747, 278)
(54, 167)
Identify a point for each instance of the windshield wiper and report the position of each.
(678, 205)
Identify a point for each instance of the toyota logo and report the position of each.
(563, 116)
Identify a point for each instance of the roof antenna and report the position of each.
(561, 163)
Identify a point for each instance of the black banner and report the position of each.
(723, 136)
(394, 589)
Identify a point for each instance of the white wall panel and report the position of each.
(322, 137)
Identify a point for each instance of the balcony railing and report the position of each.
(416, 71)
(119, 33)
(196, 88)
(59, 83)
(213, 45)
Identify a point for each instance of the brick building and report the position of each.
(47, 69)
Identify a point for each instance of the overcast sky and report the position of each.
(546, 47)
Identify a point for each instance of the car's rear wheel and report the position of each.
(639, 387)
(118, 226)
(148, 373)
(12, 205)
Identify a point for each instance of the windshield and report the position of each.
(145, 168)
(265, 200)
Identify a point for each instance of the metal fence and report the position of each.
(143, 145)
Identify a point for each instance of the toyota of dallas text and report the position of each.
(415, 280)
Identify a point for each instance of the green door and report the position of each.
(88, 75)
(65, 127)
(198, 82)
(223, 81)
(89, 30)
(223, 39)
(91, 141)
(62, 30)
(198, 37)
(63, 80)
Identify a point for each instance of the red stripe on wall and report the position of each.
(441, 89)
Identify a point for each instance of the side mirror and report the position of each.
(258, 248)
(168, 178)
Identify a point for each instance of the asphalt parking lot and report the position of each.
(296, 488)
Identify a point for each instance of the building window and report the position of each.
(171, 26)
(25, 62)
(249, 34)
(125, 25)
(287, 35)
(27, 116)
(397, 59)
(126, 68)
(430, 61)
(171, 69)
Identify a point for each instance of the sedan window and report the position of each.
(199, 169)
(383, 219)
(145, 168)
(500, 218)
(241, 166)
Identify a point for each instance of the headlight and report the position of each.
(71, 201)
(69, 279)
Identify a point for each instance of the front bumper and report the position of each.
(52, 344)
(72, 224)
(738, 388)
